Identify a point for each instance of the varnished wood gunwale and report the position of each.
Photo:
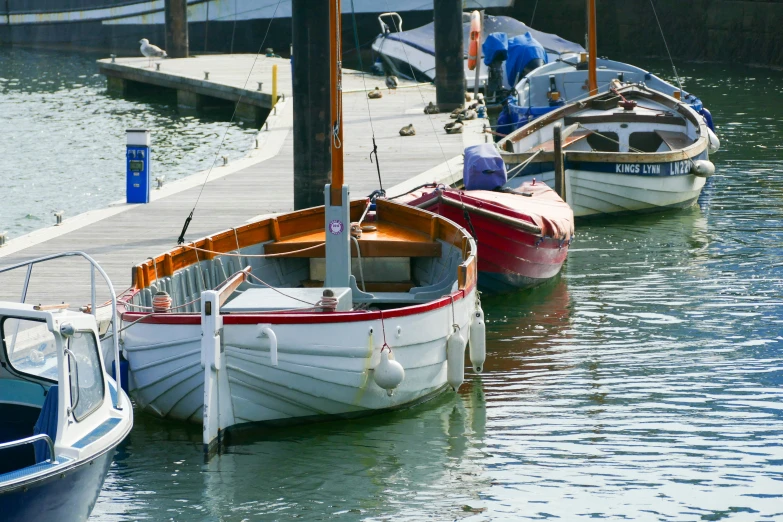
(697, 147)
(427, 227)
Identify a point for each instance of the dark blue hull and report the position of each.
(65, 496)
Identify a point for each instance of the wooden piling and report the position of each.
(176, 13)
(449, 54)
(312, 136)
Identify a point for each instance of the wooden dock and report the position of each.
(122, 235)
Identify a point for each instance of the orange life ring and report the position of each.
(475, 36)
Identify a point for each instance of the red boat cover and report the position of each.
(533, 202)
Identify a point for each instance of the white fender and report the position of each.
(455, 359)
(702, 168)
(389, 373)
(713, 143)
(478, 340)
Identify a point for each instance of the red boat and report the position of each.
(523, 235)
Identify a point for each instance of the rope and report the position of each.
(676, 76)
(278, 290)
(367, 100)
(359, 258)
(181, 238)
(519, 168)
(259, 256)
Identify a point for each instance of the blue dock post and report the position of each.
(138, 166)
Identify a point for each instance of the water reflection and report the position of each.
(395, 465)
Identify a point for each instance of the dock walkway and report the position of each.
(122, 235)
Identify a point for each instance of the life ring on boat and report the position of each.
(475, 35)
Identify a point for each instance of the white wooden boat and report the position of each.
(281, 353)
(266, 323)
(629, 150)
(61, 414)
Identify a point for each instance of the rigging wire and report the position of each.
(181, 238)
(418, 88)
(366, 99)
(533, 17)
(676, 76)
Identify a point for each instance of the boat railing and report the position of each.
(385, 28)
(95, 267)
(30, 440)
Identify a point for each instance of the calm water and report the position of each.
(62, 138)
(646, 383)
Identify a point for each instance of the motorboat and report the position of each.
(563, 81)
(61, 414)
(335, 311)
(523, 232)
(411, 53)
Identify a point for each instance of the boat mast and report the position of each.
(592, 49)
(336, 196)
(335, 88)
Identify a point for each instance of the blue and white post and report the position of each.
(137, 156)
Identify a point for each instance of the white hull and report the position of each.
(323, 369)
(592, 193)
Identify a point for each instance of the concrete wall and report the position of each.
(749, 31)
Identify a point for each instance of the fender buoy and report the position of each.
(389, 373)
(475, 35)
(713, 143)
(455, 359)
(478, 340)
(702, 168)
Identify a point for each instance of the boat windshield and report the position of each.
(87, 382)
(30, 347)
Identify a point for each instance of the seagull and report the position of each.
(151, 51)
(392, 82)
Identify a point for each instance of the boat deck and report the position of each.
(122, 235)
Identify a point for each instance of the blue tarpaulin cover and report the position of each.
(521, 50)
(495, 47)
(423, 38)
(484, 168)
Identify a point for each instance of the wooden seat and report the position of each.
(549, 146)
(389, 240)
(675, 140)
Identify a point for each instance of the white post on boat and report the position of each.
(336, 196)
(218, 412)
(559, 160)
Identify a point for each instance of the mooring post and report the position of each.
(557, 138)
(274, 85)
(312, 119)
(449, 54)
(176, 12)
(218, 411)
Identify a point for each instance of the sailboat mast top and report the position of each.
(336, 76)
(592, 48)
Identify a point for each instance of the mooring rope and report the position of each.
(185, 226)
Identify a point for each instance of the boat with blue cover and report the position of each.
(411, 54)
(61, 414)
